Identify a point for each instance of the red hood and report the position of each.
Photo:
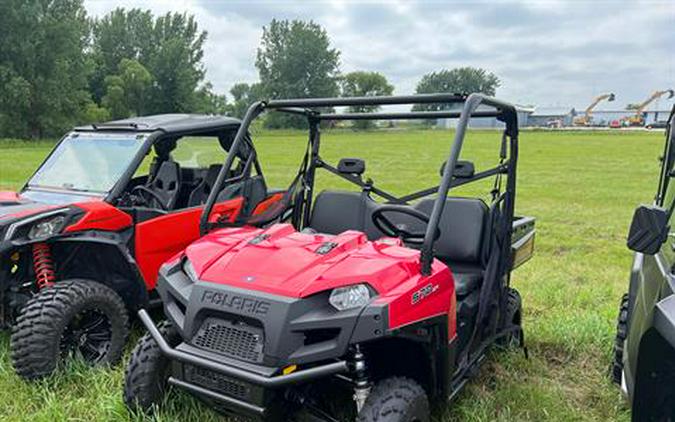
(12, 206)
(285, 262)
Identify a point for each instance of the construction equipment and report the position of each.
(585, 120)
(638, 119)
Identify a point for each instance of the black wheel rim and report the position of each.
(88, 336)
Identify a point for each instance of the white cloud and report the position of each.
(548, 52)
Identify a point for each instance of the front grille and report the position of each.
(237, 340)
(217, 382)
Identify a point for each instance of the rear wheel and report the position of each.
(619, 340)
(396, 399)
(513, 314)
(75, 318)
(147, 373)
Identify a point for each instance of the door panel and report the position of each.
(160, 238)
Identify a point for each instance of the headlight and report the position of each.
(189, 269)
(356, 296)
(46, 228)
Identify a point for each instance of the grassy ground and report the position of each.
(581, 186)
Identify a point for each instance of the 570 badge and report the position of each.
(423, 292)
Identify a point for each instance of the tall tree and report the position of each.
(243, 95)
(295, 59)
(43, 69)
(169, 47)
(176, 64)
(365, 84)
(462, 80)
(209, 102)
(121, 34)
(126, 91)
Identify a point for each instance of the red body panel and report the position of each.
(13, 206)
(99, 215)
(9, 196)
(226, 211)
(161, 238)
(285, 262)
(268, 202)
(26, 213)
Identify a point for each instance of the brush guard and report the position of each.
(235, 373)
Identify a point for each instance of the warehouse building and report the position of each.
(486, 123)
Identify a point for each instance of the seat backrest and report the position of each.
(166, 184)
(463, 223)
(201, 192)
(337, 211)
(463, 228)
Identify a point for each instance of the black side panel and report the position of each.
(102, 257)
(664, 319)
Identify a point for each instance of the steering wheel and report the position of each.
(145, 190)
(389, 228)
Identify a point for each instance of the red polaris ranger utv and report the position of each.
(392, 302)
(82, 241)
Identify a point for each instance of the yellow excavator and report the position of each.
(586, 118)
(638, 119)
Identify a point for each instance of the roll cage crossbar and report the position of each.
(310, 108)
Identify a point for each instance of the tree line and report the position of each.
(60, 67)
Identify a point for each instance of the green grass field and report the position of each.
(581, 186)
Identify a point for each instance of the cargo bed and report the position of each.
(522, 241)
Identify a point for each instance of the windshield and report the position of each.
(88, 162)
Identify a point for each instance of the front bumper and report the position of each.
(255, 376)
(265, 329)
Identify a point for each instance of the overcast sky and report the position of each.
(547, 53)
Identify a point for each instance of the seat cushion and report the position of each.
(253, 189)
(468, 277)
(466, 283)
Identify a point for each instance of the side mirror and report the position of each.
(463, 169)
(648, 230)
(354, 166)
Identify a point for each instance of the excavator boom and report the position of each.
(656, 95)
(585, 120)
(638, 119)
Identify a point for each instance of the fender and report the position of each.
(131, 287)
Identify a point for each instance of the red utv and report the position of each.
(386, 304)
(81, 243)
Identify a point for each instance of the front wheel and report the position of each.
(74, 318)
(147, 373)
(619, 339)
(396, 399)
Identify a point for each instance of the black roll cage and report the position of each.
(668, 157)
(502, 111)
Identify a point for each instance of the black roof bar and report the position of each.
(357, 101)
(404, 115)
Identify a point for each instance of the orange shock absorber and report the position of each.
(43, 265)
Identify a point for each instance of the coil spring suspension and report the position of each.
(43, 265)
